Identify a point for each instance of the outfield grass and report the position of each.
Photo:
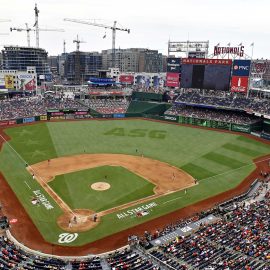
(218, 160)
(74, 188)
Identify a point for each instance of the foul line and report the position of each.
(173, 200)
(27, 185)
(26, 164)
(230, 171)
(207, 178)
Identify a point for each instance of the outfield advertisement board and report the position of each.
(28, 119)
(265, 136)
(241, 128)
(173, 118)
(214, 124)
(119, 115)
(8, 123)
(43, 118)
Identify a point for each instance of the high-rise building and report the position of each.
(53, 64)
(79, 66)
(134, 60)
(19, 58)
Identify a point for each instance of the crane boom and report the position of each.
(97, 24)
(28, 29)
(113, 28)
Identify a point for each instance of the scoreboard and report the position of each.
(212, 74)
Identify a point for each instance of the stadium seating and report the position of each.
(238, 240)
(212, 114)
(107, 106)
(28, 107)
(226, 100)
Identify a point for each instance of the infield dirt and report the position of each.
(165, 177)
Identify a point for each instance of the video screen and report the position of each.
(206, 76)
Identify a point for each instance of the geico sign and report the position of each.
(236, 67)
(25, 76)
(170, 118)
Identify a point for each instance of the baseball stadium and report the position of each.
(136, 170)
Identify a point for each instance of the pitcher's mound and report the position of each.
(100, 186)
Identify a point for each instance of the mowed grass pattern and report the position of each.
(75, 188)
(220, 161)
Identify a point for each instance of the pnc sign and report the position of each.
(239, 51)
(241, 67)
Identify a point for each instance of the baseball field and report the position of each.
(96, 178)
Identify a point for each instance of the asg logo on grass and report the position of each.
(67, 237)
(154, 134)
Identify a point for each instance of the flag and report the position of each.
(252, 44)
(240, 44)
(229, 44)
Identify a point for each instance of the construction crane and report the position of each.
(78, 43)
(28, 30)
(36, 25)
(37, 29)
(113, 28)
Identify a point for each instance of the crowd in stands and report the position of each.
(239, 239)
(225, 99)
(213, 114)
(32, 106)
(129, 259)
(108, 106)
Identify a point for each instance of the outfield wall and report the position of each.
(69, 114)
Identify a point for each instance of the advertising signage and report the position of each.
(239, 84)
(239, 50)
(126, 79)
(172, 79)
(205, 61)
(241, 67)
(173, 65)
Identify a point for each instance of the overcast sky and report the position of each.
(152, 23)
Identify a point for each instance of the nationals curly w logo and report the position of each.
(67, 237)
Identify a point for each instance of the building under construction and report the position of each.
(79, 66)
(19, 58)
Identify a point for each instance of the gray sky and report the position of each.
(152, 23)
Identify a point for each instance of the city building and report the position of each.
(79, 66)
(19, 58)
(134, 60)
(53, 64)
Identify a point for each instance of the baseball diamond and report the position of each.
(152, 169)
